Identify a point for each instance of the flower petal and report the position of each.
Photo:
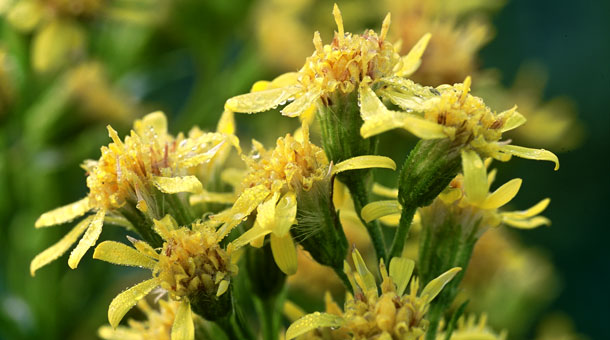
(226, 123)
(529, 223)
(475, 177)
(243, 206)
(378, 209)
(63, 214)
(301, 104)
(370, 105)
(121, 254)
(154, 122)
(401, 269)
(59, 248)
(365, 279)
(537, 154)
(174, 185)
(266, 212)
(213, 197)
(261, 101)
(123, 302)
(91, 235)
(284, 253)
(434, 287)
(512, 119)
(384, 191)
(183, 327)
(531, 212)
(250, 235)
(312, 321)
(411, 62)
(364, 162)
(285, 214)
(502, 195)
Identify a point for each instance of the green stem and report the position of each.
(179, 210)
(267, 313)
(341, 274)
(357, 189)
(141, 224)
(402, 232)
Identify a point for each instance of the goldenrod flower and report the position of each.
(469, 328)
(192, 267)
(368, 315)
(131, 182)
(157, 325)
(449, 112)
(351, 62)
(272, 185)
(468, 199)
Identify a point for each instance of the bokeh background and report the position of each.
(186, 57)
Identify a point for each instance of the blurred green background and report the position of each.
(186, 58)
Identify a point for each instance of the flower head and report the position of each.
(191, 267)
(135, 178)
(350, 62)
(471, 328)
(368, 314)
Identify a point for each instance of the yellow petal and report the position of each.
(370, 105)
(301, 104)
(153, 124)
(502, 195)
(286, 79)
(378, 209)
(475, 177)
(261, 101)
(63, 214)
(121, 254)
(537, 154)
(411, 62)
(250, 235)
(434, 287)
(513, 119)
(243, 206)
(59, 248)
(56, 44)
(123, 302)
(143, 247)
(406, 101)
(164, 226)
(312, 321)
(365, 279)
(285, 214)
(183, 327)
(24, 15)
(226, 123)
(174, 185)
(91, 235)
(213, 197)
(266, 212)
(531, 212)
(222, 287)
(529, 223)
(284, 253)
(364, 162)
(292, 311)
(401, 270)
(384, 191)
(232, 176)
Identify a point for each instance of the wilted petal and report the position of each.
(123, 302)
(121, 254)
(261, 101)
(59, 248)
(378, 209)
(91, 235)
(63, 214)
(312, 321)
(183, 327)
(284, 253)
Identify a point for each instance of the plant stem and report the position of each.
(402, 233)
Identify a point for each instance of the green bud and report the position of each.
(265, 277)
(210, 306)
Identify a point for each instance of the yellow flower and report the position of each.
(156, 326)
(131, 179)
(350, 62)
(469, 328)
(192, 267)
(468, 199)
(368, 315)
(448, 112)
(274, 180)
